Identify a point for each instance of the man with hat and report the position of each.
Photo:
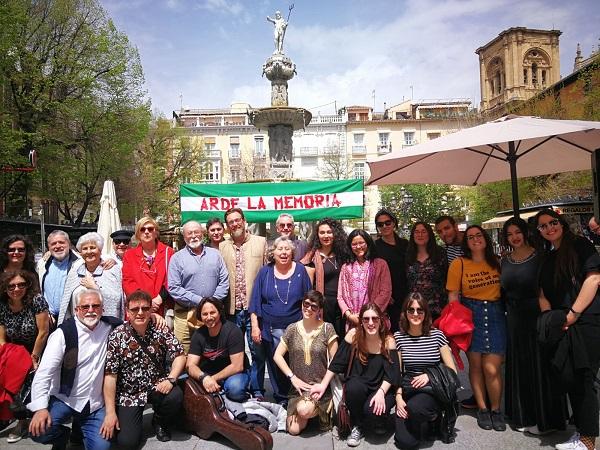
(121, 243)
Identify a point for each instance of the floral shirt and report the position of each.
(21, 327)
(136, 372)
(430, 280)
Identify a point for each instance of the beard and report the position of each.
(90, 320)
(238, 233)
(194, 243)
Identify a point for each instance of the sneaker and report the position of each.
(469, 403)
(521, 429)
(355, 437)
(535, 430)
(18, 432)
(572, 444)
(498, 422)
(484, 419)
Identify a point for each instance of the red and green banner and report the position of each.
(263, 202)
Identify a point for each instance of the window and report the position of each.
(359, 138)
(309, 162)
(359, 146)
(384, 138)
(525, 76)
(431, 136)
(543, 77)
(208, 146)
(409, 138)
(259, 149)
(235, 176)
(234, 150)
(534, 77)
(211, 171)
(359, 170)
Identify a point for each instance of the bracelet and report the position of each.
(202, 377)
(291, 375)
(577, 314)
(381, 389)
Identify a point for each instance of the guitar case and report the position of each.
(206, 414)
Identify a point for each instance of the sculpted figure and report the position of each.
(279, 31)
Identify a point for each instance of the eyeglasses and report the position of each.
(139, 309)
(16, 250)
(121, 241)
(286, 226)
(234, 221)
(545, 226)
(92, 306)
(470, 237)
(386, 223)
(309, 305)
(11, 287)
(366, 320)
(358, 245)
(415, 311)
(149, 229)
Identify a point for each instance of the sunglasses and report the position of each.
(11, 287)
(544, 226)
(139, 309)
(16, 250)
(92, 306)
(366, 320)
(286, 226)
(415, 311)
(121, 241)
(311, 306)
(386, 223)
(148, 229)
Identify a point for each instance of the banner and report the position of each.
(263, 202)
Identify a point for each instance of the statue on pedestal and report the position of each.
(279, 31)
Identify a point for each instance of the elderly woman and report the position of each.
(364, 279)
(145, 267)
(24, 321)
(16, 253)
(90, 274)
(310, 344)
(571, 262)
(276, 302)
(214, 232)
(326, 256)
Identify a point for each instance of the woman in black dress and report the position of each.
(570, 261)
(530, 401)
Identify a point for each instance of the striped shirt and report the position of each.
(418, 352)
(453, 252)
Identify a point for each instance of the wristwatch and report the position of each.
(172, 380)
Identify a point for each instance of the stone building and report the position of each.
(515, 66)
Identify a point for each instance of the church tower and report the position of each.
(515, 66)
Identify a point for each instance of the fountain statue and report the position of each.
(280, 119)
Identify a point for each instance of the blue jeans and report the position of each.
(279, 381)
(236, 387)
(257, 352)
(90, 423)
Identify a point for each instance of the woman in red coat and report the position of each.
(146, 266)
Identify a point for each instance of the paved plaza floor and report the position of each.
(468, 436)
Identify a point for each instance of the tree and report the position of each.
(335, 164)
(75, 93)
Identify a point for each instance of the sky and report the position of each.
(209, 53)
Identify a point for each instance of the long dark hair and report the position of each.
(433, 250)
(371, 250)
(360, 337)
(566, 262)
(29, 277)
(339, 239)
(490, 256)
(521, 225)
(28, 262)
(416, 297)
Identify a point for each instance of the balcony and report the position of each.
(359, 149)
(333, 118)
(309, 151)
(213, 154)
(384, 148)
(409, 143)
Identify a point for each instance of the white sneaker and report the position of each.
(572, 444)
(355, 437)
(535, 430)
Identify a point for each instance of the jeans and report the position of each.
(236, 387)
(279, 381)
(90, 424)
(422, 408)
(257, 352)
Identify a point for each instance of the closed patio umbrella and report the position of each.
(108, 221)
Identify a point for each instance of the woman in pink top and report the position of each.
(363, 279)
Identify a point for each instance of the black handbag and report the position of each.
(343, 414)
(408, 390)
(18, 406)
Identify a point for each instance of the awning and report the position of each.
(498, 222)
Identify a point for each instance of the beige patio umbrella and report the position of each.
(493, 151)
(108, 221)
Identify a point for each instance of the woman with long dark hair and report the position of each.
(374, 372)
(365, 278)
(570, 262)
(427, 267)
(475, 278)
(325, 257)
(529, 400)
(16, 253)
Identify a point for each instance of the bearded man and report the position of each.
(195, 272)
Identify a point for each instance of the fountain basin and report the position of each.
(297, 118)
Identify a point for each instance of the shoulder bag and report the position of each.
(343, 414)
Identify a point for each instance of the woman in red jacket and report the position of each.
(146, 266)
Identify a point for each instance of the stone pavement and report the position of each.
(468, 437)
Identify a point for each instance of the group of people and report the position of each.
(106, 335)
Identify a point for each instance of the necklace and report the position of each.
(331, 259)
(287, 295)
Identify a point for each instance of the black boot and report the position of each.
(163, 434)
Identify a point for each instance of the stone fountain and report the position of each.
(280, 120)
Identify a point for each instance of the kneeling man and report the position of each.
(135, 374)
(217, 358)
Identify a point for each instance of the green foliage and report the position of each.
(428, 202)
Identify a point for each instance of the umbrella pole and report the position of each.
(512, 162)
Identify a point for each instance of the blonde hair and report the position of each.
(143, 221)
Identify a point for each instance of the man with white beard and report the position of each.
(61, 390)
(53, 271)
(195, 272)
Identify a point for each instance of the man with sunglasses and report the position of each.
(137, 373)
(285, 226)
(121, 243)
(61, 390)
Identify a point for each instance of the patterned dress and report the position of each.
(21, 327)
(429, 279)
